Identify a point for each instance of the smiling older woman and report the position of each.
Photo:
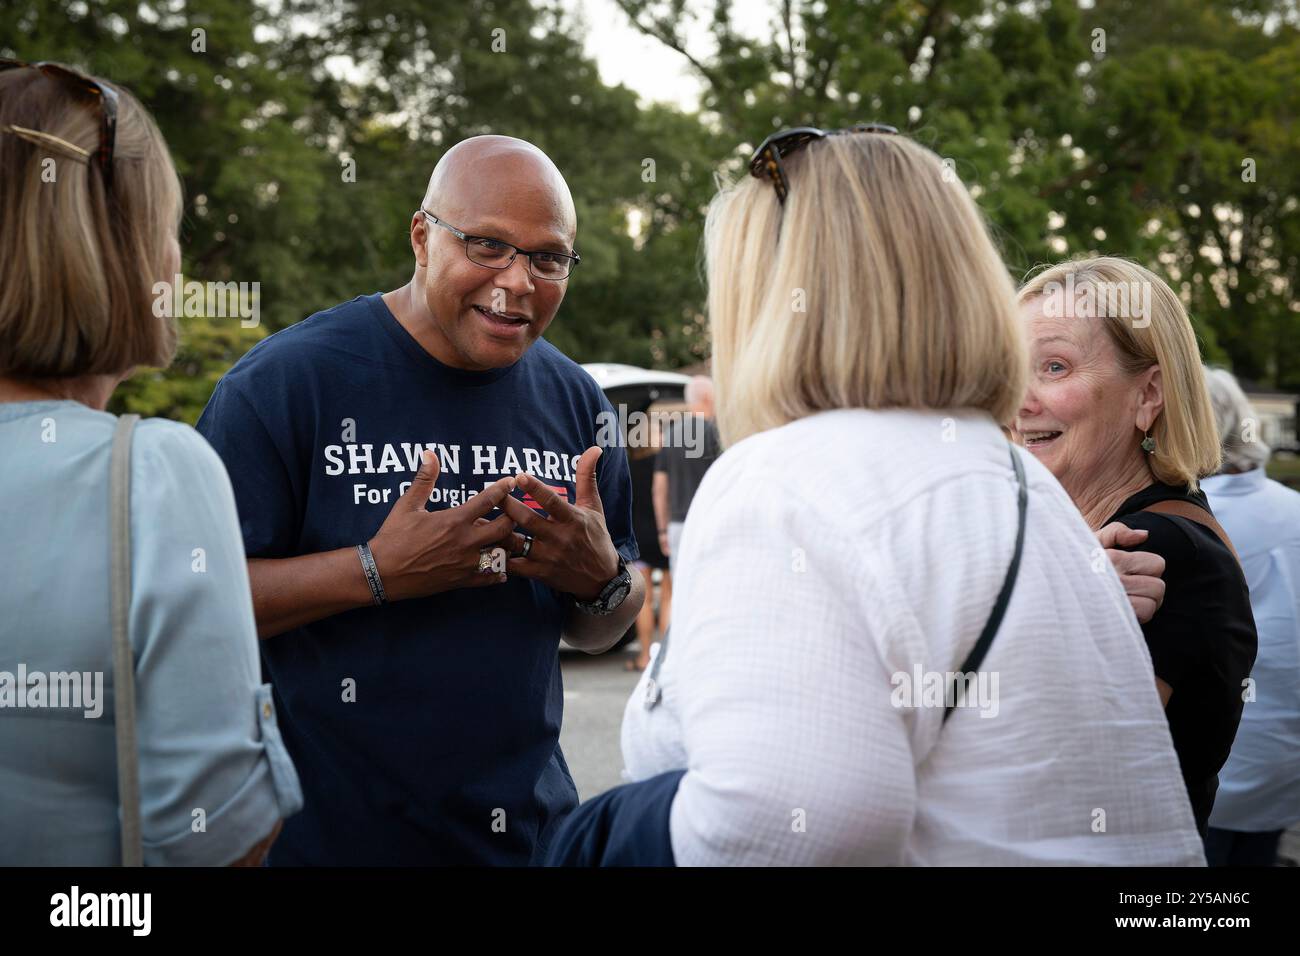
(1118, 410)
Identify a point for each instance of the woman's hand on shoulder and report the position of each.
(1141, 572)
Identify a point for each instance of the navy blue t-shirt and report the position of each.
(425, 731)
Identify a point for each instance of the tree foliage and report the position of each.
(1168, 136)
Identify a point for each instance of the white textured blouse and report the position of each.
(834, 566)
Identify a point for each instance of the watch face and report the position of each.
(614, 594)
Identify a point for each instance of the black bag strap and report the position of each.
(976, 656)
(653, 694)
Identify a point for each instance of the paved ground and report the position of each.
(1290, 849)
(596, 690)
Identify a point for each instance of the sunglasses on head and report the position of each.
(101, 93)
(766, 161)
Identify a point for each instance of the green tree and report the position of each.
(1123, 129)
(305, 130)
(302, 177)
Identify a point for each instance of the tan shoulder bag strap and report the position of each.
(128, 759)
(1185, 509)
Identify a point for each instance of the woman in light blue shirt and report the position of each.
(79, 256)
(1259, 786)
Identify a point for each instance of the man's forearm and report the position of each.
(291, 592)
(596, 633)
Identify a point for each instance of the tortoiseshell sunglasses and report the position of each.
(766, 161)
(102, 93)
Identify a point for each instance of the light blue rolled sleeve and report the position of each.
(215, 776)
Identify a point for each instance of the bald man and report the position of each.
(426, 512)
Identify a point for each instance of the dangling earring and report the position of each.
(1148, 443)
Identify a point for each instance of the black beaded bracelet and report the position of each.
(372, 573)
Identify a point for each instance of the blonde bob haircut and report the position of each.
(78, 262)
(876, 286)
(1148, 326)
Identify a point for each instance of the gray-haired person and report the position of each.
(1259, 786)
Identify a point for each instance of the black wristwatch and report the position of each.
(612, 595)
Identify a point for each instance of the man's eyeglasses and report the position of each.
(498, 254)
(766, 161)
(105, 96)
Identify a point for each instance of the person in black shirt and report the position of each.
(1118, 410)
(641, 463)
(690, 446)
